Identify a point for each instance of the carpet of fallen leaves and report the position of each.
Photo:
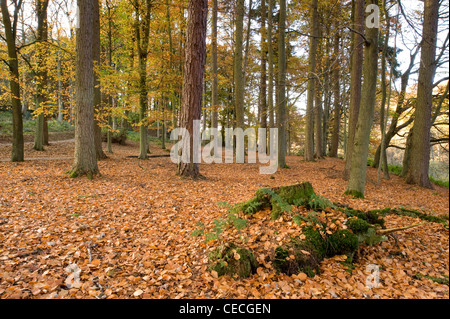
(129, 231)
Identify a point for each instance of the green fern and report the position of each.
(224, 204)
(317, 202)
(252, 208)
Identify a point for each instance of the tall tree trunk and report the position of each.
(238, 70)
(194, 67)
(97, 91)
(318, 106)
(313, 41)
(326, 94)
(263, 88)
(42, 74)
(164, 103)
(60, 102)
(357, 179)
(281, 87)
(418, 170)
(270, 64)
(247, 40)
(337, 100)
(171, 100)
(215, 82)
(17, 153)
(318, 113)
(385, 98)
(142, 27)
(85, 159)
(355, 80)
(110, 97)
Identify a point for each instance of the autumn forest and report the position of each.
(210, 149)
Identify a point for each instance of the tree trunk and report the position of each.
(309, 129)
(46, 143)
(238, 70)
(85, 161)
(386, 97)
(247, 41)
(215, 82)
(270, 65)
(326, 94)
(60, 102)
(97, 91)
(357, 179)
(263, 88)
(110, 97)
(41, 74)
(281, 87)
(318, 122)
(142, 28)
(418, 170)
(194, 67)
(407, 154)
(337, 101)
(17, 153)
(318, 107)
(355, 80)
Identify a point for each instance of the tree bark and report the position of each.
(215, 82)
(357, 179)
(418, 170)
(384, 99)
(194, 67)
(355, 81)
(263, 88)
(110, 97)
(60, 102)
(85, 159)
(42, 74)
(17, 153)
(97, 90)
(238, 69)
(281, 88)
(407, 155)
(327, 92)
(270, 65)
(337, 100)
(142, 28)
(318, 106)
(318, 136)
(247, 41)
(309, 128)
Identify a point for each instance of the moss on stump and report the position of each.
(300, 255)
(230, 259)
(277, 198)
(342, 242)
(305, 255)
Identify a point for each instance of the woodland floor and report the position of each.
(129, 231)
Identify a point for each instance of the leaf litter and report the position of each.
(127, 234)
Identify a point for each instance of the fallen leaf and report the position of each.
(138, 292)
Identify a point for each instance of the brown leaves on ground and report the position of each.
(127, 234)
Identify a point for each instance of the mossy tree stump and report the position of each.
(230, 259)
(315, 241)
(277, 199)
